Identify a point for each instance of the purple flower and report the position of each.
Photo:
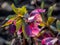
(12, 28)
(46, 40)
(28, 30)
(37, 11)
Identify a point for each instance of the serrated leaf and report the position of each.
(14, 8)
(23, 10)
(19, 11)
(50, 10)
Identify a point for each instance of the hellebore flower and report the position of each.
(49, 41)
(35, 19)
(46, 40)
(32, 29)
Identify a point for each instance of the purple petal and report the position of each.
(37, 11)
(12, 28)
(28, 30)
(46, 40)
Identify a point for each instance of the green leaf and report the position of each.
(14, 8)
(50, 10)
(23, 30)
(24, 33)
(50, 20)
(53, 28)
(18, 25)
(22, 10)
(58, 24)
(10, 16)
(19, 11)
(42, 7)
(42, 24)
(42, 4)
